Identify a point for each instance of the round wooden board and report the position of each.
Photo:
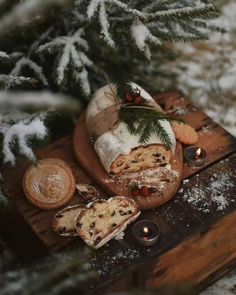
(117, 185)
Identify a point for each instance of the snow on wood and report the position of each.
(216, 195)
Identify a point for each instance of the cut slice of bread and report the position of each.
(103, 220)
(87, 192)
(64, 220)
(141, 158)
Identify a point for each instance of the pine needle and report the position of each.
(145, 122)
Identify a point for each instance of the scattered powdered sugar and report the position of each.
(205, 130)
(180, 110)
(112, 264)
(158, 177)
(216, 195)
(185, 181)
(43, 180)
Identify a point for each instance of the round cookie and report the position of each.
(49, 184)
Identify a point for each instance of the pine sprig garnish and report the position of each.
(144, 122)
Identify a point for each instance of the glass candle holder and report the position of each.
(195, 155)
(146, 232)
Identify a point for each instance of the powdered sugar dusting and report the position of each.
(50, 185)
(159, 176)
(213, 196)
(113, 261)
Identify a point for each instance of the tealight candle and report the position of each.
(146, 232)
(195, 155)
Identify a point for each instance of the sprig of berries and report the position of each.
(133, 96)
(144, 190)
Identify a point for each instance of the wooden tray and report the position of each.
(205, 243)
(118, 185)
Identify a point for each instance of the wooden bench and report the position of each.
(198, 238)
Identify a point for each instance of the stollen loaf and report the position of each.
(120, 151)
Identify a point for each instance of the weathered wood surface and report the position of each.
(180, 222)
(198, 256)
(89, 161)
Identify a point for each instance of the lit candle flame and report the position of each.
(198, 152)
(145, 230)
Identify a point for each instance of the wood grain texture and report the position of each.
(118, 185)
(198, 256)
(214, 138)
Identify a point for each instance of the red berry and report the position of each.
(138, 100)
(144, 191)
(128, 97)
(135, 192)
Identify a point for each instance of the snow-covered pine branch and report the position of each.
(101, 6)
(3, 199)
(10, 59)
(15, 82)
(42, 100)
(26, 62)
(112, 15)
(142, 36)
(185, 12)
(26, 11)
(16, 78)
(72, 58)
(19, 132)
(4, 56)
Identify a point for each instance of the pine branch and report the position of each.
(208, 26)
(19, 132)
(24, 12)
(145, 122)
(26, 62)
(71, 56)
(43, 101)
(17, 82)
(9, 59)
(138, 15)
(184, 13)
(4, 202)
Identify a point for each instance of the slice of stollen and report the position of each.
(87, 192)
(64, 220)
(103, 220)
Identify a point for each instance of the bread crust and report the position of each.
(143, 164)
(112, 232)
(119, 141)
(60, 228)
(87, 192)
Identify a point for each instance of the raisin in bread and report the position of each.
(64, 220)
(87, 192)
(103, 220)
(118, 150)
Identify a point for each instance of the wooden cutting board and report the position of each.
(167, 181)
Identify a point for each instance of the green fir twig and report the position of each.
(146, 121)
